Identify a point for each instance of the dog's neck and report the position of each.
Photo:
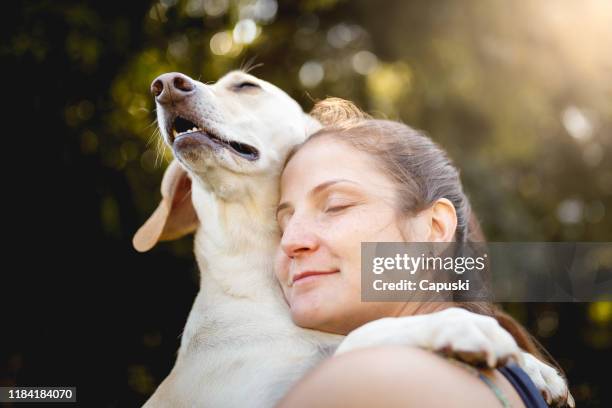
(236, 233)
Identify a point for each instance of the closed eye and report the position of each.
(337, 208)
(246, 85)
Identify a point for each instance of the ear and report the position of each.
(174, 216)
(443, 221)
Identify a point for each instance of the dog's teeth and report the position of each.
(193, 129)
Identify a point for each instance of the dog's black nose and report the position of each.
(172, 87)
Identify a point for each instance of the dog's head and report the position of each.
(238, 125)
(229, 137)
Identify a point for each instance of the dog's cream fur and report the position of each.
(239, 346)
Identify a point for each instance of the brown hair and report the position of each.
(423, 173)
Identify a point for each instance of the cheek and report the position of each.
(375, 223)
(343, 236)
(281, 267)
(344, 240)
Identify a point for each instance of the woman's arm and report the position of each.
(395, 377)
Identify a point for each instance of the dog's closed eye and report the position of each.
(245, 85)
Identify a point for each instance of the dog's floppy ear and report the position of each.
(174, 216)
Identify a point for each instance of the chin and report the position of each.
(322, 319)
(303, 318)
(307, 313)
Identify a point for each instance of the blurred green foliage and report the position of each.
(519, 93)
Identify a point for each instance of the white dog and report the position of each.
(239, 346)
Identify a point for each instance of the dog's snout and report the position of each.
(172, 87)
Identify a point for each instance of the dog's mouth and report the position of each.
(182, 127)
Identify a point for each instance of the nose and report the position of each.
(172, 87)
(298, 239)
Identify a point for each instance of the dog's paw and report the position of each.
(456, 332)
(551, 384)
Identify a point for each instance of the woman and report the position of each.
(364, 180)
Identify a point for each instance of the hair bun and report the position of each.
(333, 111)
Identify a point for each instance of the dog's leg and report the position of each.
(470, 337)
(473, 338)
(548, 380)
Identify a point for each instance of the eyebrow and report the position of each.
(316, 190)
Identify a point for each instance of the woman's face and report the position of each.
(333, 197)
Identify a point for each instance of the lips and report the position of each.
(303, 275)
(188, 134)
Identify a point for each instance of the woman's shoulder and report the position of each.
(394, 376)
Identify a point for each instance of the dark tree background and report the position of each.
(520, 93)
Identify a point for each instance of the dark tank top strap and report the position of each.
(524, 386)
